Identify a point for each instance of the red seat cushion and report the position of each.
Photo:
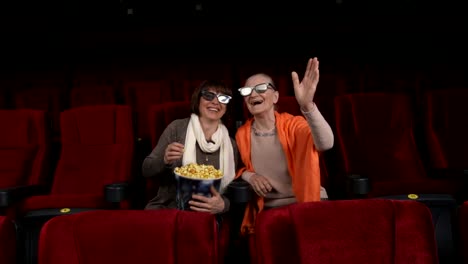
(97, 149)
(24, 147)
(7, 238)
(130, 236)
(346, 231)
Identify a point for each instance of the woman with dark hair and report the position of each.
(201, 138)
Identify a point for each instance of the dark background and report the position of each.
(58, 33)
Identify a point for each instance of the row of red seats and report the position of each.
(90, 133)
(141, 91)
(138, 95)
(94, 169)
(381, 151)
(350, 231)
(397, 143)
(377, 141)
(375, 137)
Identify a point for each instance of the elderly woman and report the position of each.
(279, 150)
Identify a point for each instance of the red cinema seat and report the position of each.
(161, 115)
(94, 169)
(446, 130)
(97, 150)
(140, 95)
(346, 231)
(24, 155)
(7, 241)
(166, 236)
(48, 98)
(376, 139)
(92, 95)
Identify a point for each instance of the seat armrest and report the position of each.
(116, 192)
(239, 191)
(9, 196)
(448, 173)
(358, 186)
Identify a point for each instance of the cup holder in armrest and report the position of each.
(116, 192)
(358, 185)
(239, 191)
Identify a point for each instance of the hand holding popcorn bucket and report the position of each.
(195, 179)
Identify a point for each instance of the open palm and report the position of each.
(305, 90)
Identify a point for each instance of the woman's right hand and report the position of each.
(174, 151)
(260, 184)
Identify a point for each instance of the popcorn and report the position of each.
(197, 171)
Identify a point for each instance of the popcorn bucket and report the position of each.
(186, 186)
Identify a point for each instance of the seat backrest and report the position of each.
(188, 75)
(332, 84)
(24, 147)
(374, 133)
(176, 110)
(130, 236)
(48, 98)
(140, 95)
(445, 126)
(92, 95)
(288, 104)
(97, 149)
(183, 88)
(7, 241)
(347, 231)
(156, 122)
(161, 115)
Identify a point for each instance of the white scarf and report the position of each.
(221, 140)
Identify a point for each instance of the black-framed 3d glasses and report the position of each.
(259, 88)
(209, 96)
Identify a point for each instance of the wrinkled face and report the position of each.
(211, 109)
(259, 102)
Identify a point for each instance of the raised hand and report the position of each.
(305, 90)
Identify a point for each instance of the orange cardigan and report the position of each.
(302, 157)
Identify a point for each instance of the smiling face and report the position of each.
(260, 103)
(206, 100)
(211, 110)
